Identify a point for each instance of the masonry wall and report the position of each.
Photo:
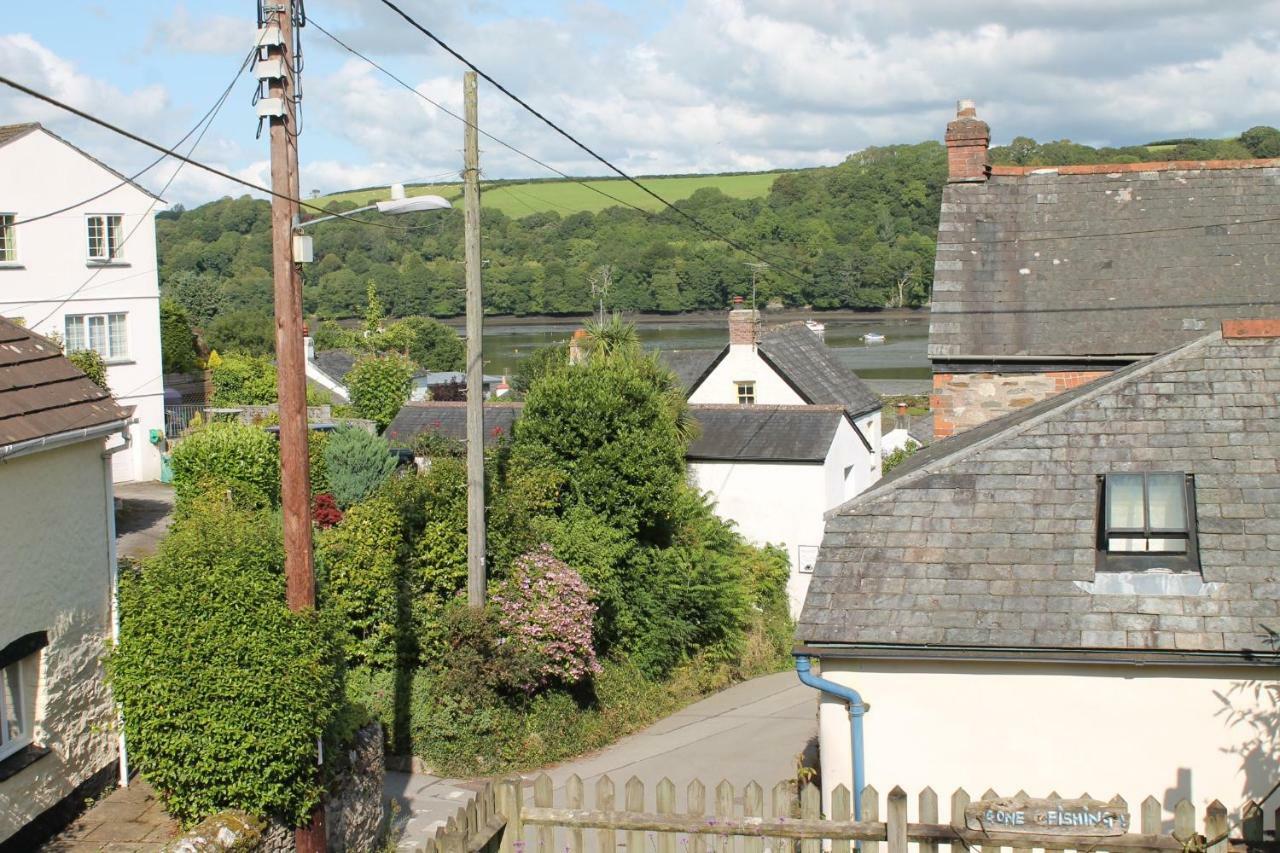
(961, 401)
(54, 562)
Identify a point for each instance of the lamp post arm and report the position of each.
(298, 224)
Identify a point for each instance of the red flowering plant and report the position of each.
(325, 512)
(546, 614)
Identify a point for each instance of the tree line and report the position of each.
(859, 235)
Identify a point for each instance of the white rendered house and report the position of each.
(87, 274)
(787, 433)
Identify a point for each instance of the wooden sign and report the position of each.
(1047, 816)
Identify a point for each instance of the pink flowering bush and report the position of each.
(546, 614)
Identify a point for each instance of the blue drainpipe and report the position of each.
(857, 708)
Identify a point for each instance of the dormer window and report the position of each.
(746, 393)
(1147, 521)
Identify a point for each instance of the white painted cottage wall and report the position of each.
(1107, 729)
(58, 583)
(39, 173)
(772, 503)
(743, 364)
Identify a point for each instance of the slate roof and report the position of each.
(691, 366)
(449, 420)
(733, 433)
(986, 541)
(42, 393)
(809, 366)
(336, 363)
(1113, 260)
(10, 132)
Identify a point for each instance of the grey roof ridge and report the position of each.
(1099, 387)
(825, 408)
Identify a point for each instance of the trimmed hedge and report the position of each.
(228, 452)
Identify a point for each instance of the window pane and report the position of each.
(8, 248)
(75, 334)
(1124, 501)
(11, 688)
(118, 338)
(114, 235)
(1167, 546)
(98, 334)
(1166, 498)
(96, 248)
(1122, 545)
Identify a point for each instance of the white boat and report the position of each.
(873, 338)
(817, 328)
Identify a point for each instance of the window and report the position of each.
(103, 333)
(1147, 521)
(8, 239)
(17, 703)
(105, 236)
(746, 393)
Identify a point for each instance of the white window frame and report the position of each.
(22, 702)
(8, 238)
(749, 397)
(109, 352)
(111, 237)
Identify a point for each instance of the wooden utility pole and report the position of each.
(291, 382)
(475, 360)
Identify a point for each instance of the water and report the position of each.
(902, 360)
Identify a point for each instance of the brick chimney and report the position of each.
(742, 326)
(967, 140)
(900, 420)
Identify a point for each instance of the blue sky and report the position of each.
(661, 86)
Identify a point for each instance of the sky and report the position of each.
(656, 86)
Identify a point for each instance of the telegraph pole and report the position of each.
(295, 474)
(475, 361)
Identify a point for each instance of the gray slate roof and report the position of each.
(1049, 264)
(336, 363)
(449, 420)
(987, 540)
(692, 365)
(42, 393)
(809, 366)
(734, 433)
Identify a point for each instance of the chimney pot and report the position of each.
(966, 108)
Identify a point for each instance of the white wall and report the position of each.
(1134, 731)
(57, 582)
(772, 503)
(743, 364)
(850, 467)
(52, 277)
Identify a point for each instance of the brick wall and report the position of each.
(961, 401)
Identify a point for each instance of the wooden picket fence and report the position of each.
(501, 820)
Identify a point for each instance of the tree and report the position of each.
(1262, 141)
(431, 344)
(243, 380)
(379, 386)
(177, 341)
(244, 331)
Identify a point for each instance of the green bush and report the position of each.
(360, 577)
(355, 464)
(177, 341)
(317, 445)
(224, 690)
(243, 380)
(897, 457)
(227, 452)
(94, 367)
(379, 386)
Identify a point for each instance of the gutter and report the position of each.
(857, 709)
(62, 439)
(1028, 654)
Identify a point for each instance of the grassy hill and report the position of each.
(521, 198)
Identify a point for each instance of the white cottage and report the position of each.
(788, 432)
(78, 261)
(1083, 595)
(57, 743)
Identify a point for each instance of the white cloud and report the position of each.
(216, 34)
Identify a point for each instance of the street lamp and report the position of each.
(397, 204)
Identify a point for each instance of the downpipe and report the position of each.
(113, 569)
(857, 709)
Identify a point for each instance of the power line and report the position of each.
(558, 129)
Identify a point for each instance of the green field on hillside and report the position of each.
(566, 197)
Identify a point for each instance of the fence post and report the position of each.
(666, 797)
(573, 799)
(635, 803)
(724, 808)
(696, 806)
(1184, 820)
(606, 840)
(509, 801)
(959, 802)
(1215, 826)
(870, 814)
(841, 812)
(753, 806)
(1251, 826)
(928, 806)
(1151, 816)
(811, 809)
(896, 817)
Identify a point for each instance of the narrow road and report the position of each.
(143, 513)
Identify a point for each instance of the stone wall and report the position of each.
(961, 401)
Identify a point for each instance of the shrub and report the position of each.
(379, 386)
(434, 445)
(317, 444)
(325, 511)
(177, 341)
(91, 363)
(226, 452)
(243, 380)
(355, 464)
(547, 617)
(440, 558)
(359, 577)
(224, 690)
(897, 457)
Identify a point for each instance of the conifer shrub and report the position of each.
(224, 690)
(224, 452)
(356, 463)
